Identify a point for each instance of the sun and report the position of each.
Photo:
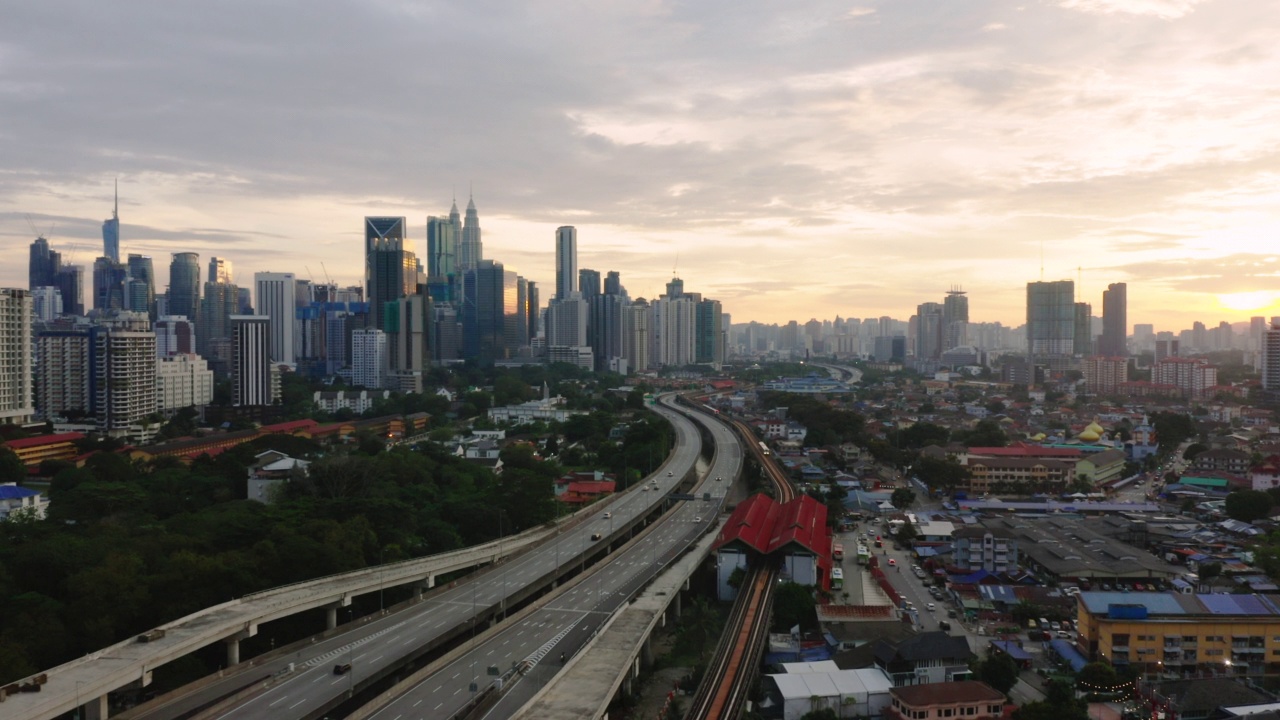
(1243, 301)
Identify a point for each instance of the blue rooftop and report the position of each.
(1167, 603)
(13, 492)
(1157, 603)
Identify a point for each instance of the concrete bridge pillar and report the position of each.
(646, 651)
(627, 686)
(95, 709)
(233, 650)
(675, 605)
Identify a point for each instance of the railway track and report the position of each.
(724, 687)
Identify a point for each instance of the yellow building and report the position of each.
(1182, 635)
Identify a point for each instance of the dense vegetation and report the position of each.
(129, 545)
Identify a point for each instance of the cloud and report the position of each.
(1164, 9)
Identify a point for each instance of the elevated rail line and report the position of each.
(723, 690)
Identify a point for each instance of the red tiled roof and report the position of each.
(291, 426)
(766, 527)
(802, 521)
(592, 487)
(39, 440)
(751, 523)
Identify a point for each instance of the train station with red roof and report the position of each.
(796, 532)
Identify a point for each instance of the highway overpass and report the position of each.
(548, 553)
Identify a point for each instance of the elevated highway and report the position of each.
(547, 554)
(525, 657)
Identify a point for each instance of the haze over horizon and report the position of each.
(792, 162)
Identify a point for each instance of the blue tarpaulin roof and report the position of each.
(1068, 652)
(1010, 648)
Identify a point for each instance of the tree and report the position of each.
(999, 671)
(903, 498)
(793, 605)
(941, 474)
(1096, 675)
(906, 533)
(12, 469)
(1247, 505)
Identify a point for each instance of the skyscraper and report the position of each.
(369, 358)
(1051, 318)
(443, 235)
(709, 334)
(111, 231)
(43, 266)
(213, 341)
(471, 250)
(220, 271)
(184, 285)
(1082, 334)
(70, 282)
(489, 312)
(109, 279)
(955, 319)
(613, 284)
(140, 295)
(251, 361)
(1115, 323)
(122, 374)
(387, 277)
(589, 283)
(566, 261)
(17, 382)
(929, 325)
(277, 302)
(1271, 360)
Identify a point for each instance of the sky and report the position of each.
(793, 160)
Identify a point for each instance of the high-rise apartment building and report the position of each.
(471, 249)
(62, 375)
(1082, 340)
(111, 231)
(567, 322)
(443, 237)
(122, 380)
(566, 261)
(1271, 360)
(369, 358)
(1051, 316)
(1115, 321)
(221, 301)
(42, 265)
(955, 319)
(635, 335)
(251, 361)
(46, 303)
(673, 324)
(1103, 375)
(1193, 377)
(929, 327)
(17, 381)
(184, 285)
(709, 334)
(409, 346)
(589, 283)
(277, 301)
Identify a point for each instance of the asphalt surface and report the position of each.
(570, 620)
(385, 642)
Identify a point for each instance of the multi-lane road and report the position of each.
(379, 645)
(570, 619)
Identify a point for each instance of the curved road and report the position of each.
(382, 643)
(568, 621)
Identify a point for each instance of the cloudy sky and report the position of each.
(794, 160)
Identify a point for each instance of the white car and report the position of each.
(608, 515)
(931, 606)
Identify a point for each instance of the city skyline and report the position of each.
(793, 162)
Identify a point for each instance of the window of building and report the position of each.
(1214, 638)
(1213, 652)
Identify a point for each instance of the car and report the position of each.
(644, 488)
(608, 515)
(1064, 634)
(930, 606)
(718, 479)
(944, 626)
(596, 536)
(697, 518)
(1055, 625)
(670, 474)
(341, 669)
(892, 562)
(951, 613)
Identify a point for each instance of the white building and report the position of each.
(850, 693)
(62, 372)
(672, 332)
(183, 381)
(277, 300)
(369, 358)
(17, 383)
(357, 401)
(14, 499)
(123, 375)
(635, 336)
(46, 303)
